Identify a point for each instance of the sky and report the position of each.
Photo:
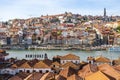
(11, 9)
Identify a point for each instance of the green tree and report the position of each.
(118, 29)
(56, 34)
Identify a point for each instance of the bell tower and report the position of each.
(105, 15)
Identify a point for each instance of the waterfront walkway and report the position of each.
(56, 47)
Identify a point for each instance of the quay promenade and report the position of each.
(69, 48)
(56, 47)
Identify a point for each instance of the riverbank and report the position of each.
(57, 47)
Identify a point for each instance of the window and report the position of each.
(53, 65)
(20, 71)
(34, 70)
(40, 71)
(55, 72)
(28, 71)
(47, 71)
(76, 62)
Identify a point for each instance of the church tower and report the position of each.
(104, 12)
(105, 16)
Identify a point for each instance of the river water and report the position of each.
(20, 54)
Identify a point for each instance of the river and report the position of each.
(20, 54)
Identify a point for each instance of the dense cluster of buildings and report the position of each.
(59, 31)
(67, 67)
(62, 29)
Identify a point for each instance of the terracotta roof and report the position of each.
(14, 66)
(102, 59)
(25, 65)
(59, 77)
(47, 61)
(15, 78)
(47, 76)
(71, 64)
(41, 64)
(23, 75)
(20, 62)
(33, 62)
(74, 77)
(14, 30)
(83, 62)
(109, 70)
(39, 25)
(97, 76)
(56, 63)
(117, 68)
(70, 57)
(35, 76)
(1, 50)
(87, 70)
(67, 72)
(117, 61)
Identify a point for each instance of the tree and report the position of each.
(118, 29)
(56, 34)
(54, 20)
(34, 38)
